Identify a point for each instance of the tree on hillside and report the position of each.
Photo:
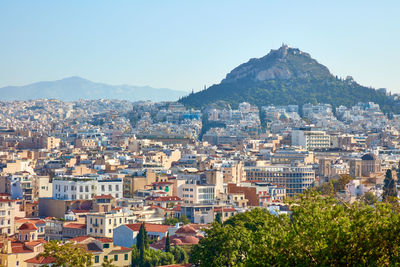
(218, 218)
(151, 257)
(389, 187)
(142, 241)
(167, 243)
(66, 254)
(369, 198)
(320, 231)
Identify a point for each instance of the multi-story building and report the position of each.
(102, 224)
(310, 139)
(71, 188)
(290, 155)
(295, 179)
(7, 214)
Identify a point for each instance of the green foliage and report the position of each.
(218, 218)
(334, 185)
(369, 198)
(151, 258)
(108, 263)
(298, 91)
(180, 255)
(321, 231)
(66, 254)
(142, 242)
(167, 244)
(172, 221)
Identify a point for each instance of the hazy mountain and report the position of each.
(287, 76)
(74, 88)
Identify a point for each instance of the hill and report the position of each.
(287, 76)
(74, 88)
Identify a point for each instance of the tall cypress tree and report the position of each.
(141, 242)
(218, 218)
(167, 244)
(389, 186)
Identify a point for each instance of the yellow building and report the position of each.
(14, 252)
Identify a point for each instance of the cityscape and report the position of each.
(280, 163)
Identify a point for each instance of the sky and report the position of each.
(186, 45)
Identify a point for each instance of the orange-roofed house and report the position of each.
(125, 235)
(15, 252)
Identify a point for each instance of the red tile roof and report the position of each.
(33, 220)
(105, 240)
(150, 227)
(75, 225)
(224, 209)
(18, 247)
(79, 238)
(41, 260)
(28, 226)
(187, 229)
(122, 249)
(35, 243)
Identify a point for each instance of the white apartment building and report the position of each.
(71, 188)
(8, 211)
(192, 193)
(310, 139)
(295, 179)
(102, 224)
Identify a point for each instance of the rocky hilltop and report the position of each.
(287, 76)
(284, 63)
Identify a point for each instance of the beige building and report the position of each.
(27, 246)
(364, 167)
(85, 143)
(8, 212)
(102, 224)
(131, 184)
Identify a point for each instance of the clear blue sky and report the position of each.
(185, 45)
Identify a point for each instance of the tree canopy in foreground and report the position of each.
(320, 231)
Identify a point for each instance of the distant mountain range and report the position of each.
(287, 76)
(74, 88)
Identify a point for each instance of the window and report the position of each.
(106, 245)
(117, 187)
(109, 231)
(109, 187)
(103, 188)
(96, 259)
(115, 257)
(90, 230)
(120, 220)
(126, 257)
(86, 188)
(105, 257)
(81, 189)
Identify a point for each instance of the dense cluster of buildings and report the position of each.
(91, 172)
